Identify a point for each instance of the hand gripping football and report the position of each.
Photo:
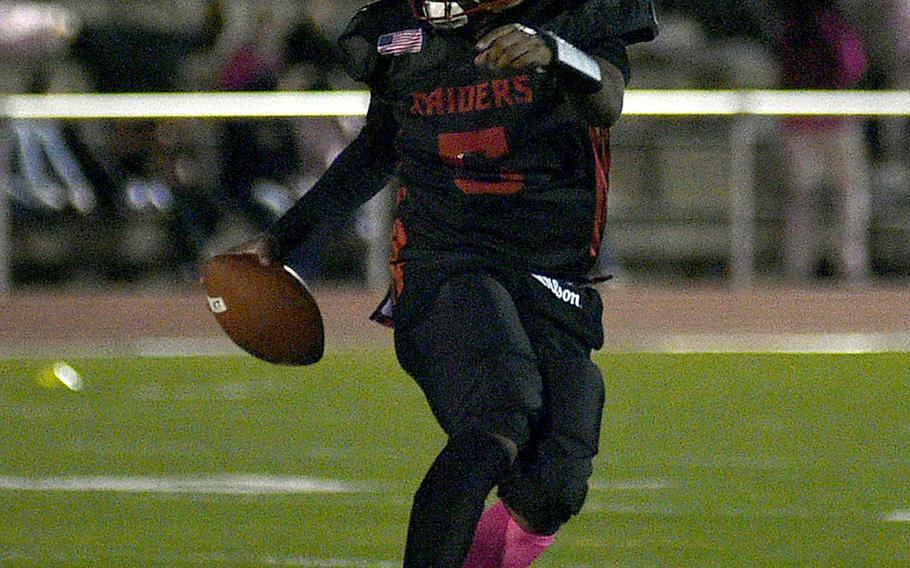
(266, 310)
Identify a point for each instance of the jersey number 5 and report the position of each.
(457, 149)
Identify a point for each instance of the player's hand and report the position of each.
(513, 46)
(262, 247)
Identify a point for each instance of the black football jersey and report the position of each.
(494, 164)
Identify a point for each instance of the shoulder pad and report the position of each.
(358, 42)
(632, 21)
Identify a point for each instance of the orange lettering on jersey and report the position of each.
(452, 99)
(401, 195)
(524, 95)
(466, 99)
(419, 106)
(399, 241)
(435, 100)
(502, 93)
(482, 100)
(463, 99)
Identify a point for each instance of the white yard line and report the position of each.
(899, 516)
(146, 347)
(207, 559)
(659, 508)
(642, 484)
(193, 485)
(834, 343)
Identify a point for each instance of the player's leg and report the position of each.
(548, 484)
(469, 353)
(551, 483)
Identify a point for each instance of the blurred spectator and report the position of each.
(309, 53)
(729, 48)
(149, 162)
(886, 30)
(32, 30)
(266, 164)
(258, 157)
(56, 208)
(312, 65)
(723, 18)
(887, 33)
(49, 170)
(122, 55)
(820, 49)
(50, 173)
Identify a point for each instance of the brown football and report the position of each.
(266, 310)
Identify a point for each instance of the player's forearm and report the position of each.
(359, 173)
(594, 79)
(604, 107)
(593, 83)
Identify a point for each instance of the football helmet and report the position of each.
(451, 14)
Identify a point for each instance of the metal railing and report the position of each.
(742, 106)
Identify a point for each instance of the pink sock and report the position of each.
(488, 547)
(499, 542)
(522, 548)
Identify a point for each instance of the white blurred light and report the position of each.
(68, 376)
(142, 195)
(50, 195)
(160, 196)
(135, 197)
(25, 20)
(83, 199)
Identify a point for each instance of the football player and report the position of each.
(495, 116)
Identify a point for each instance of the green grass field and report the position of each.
(707, 460)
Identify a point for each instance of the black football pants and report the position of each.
(505, 354)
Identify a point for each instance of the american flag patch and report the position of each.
(405, 41)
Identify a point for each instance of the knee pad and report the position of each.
(546, 502)
(550, 483)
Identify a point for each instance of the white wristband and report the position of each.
(580, 67)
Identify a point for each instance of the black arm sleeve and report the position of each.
(586, 24)
(614, 51)
(359, 173)
(602, 28)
